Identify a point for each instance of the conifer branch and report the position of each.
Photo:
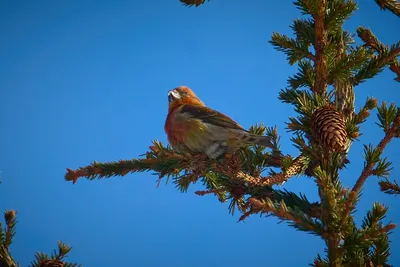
(368, 170)
(370, 242)
(56, 259)
(275, 179)
(319, 262)
(385, 56)
(207, 192)
(6, 237)
(291, 200)
(294, 49)
(391, 5)
(320, 43)
(9, 216)
(230, 176)
(165, 162)
(5, 258)
(193, 2)
(375, 234)
(395, 67)
(160, 159)
(295, 218)
(392, 188)
(370, 40)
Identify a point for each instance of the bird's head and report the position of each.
(183, 95)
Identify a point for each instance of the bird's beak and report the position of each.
(173, 95)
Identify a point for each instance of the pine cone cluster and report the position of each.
(329, 128)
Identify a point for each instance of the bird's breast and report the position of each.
(177, 128)
(182, 128)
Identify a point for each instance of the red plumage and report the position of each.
(192, 127)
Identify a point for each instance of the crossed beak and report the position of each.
(173, 95)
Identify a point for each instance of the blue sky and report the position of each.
(88, 80)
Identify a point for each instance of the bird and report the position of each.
(193, 127)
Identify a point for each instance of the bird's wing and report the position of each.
(210, 116)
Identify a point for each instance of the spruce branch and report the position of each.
(9, 216)
(305, 34)
(294, 49)
(291, 199)
(165, 162)
(391, 188)
(185, 168)
(344, 68)
(6, 237)
(337, 12)
(293, 216)
(391, 5)
(364, 113)
(388, 116)
(230, 178)
(160, 159)
(277, 178)
(305, 76)
(373, 220)
(206, 192)
(385, 56)
(370, 40)
(373, 158)
(395, 67)
(319, 262)
(376, 234)
(5, 258)
(307, 7)
(376, 64)
(56, 259)
(359, 246)
(380, 253)
(190, 3)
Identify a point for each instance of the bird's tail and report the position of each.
(261, 140)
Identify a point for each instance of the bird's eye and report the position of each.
(184, 93)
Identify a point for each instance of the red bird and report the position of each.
(192, 127)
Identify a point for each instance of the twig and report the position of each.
(284, 213)
(367, 172)
(371, 233)
(391, 5)
(274, 179)
(388, 187)
(206, 192)
(395, 67)
(278, 178)
(368, 169)
(10, 229)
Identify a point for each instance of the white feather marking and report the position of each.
(215, 150)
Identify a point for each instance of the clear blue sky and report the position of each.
(88, 80)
